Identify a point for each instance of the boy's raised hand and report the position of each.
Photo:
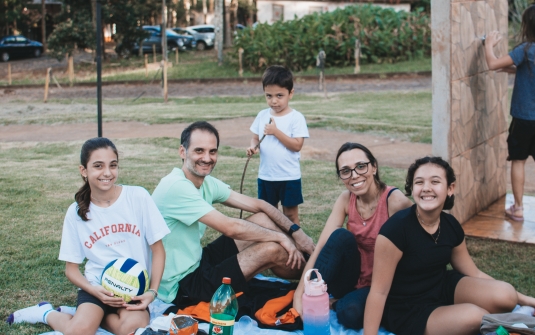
(270, 128)
(252, 150)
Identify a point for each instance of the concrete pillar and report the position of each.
(470, 103)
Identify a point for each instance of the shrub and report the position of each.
(68, 35)
(385, 36)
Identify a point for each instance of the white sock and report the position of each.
(67, 310)
(32, 314)
(46, 315)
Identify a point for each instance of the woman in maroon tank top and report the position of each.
(344, 257)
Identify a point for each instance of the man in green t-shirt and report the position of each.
(265, 240)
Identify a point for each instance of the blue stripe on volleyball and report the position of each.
(142, 283)
(128, 264)
(107, 266)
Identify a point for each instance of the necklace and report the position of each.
(360, 216)
(108, 202)
(435, 239)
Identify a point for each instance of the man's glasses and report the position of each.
(360, 168)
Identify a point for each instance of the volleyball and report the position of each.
(126, 278)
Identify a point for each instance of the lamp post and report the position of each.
(164, 49)
(99, 68)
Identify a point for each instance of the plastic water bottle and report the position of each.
(316, 305)
(223, 310)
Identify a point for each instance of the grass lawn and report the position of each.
(376, 112)
(39, 181)
(193, 65)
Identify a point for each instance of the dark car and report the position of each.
(18, 47)
(174, 41)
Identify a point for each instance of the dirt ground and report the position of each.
(321, 145)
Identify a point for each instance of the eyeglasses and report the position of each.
(360, 168)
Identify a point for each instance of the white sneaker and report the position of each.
(67, 310)
(33, 314)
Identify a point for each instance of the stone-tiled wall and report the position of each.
(470, 103)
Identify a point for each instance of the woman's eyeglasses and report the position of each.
(360, 168)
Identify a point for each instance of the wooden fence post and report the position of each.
(146, 65)
(154, 53)
(9, 73)
(320, 63)
(357, 56)
(47, 81)
(71, 70)
(164, 62)
(240, 56)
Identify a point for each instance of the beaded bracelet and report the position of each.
(154, 293)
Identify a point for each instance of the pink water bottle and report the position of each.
(316, 305)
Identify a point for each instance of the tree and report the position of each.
(128, 16)
(74, 29)
(12, 12)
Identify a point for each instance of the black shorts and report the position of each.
(84, 297)
(521, 140)
(288, 192)
(219, 259)
(410, 318)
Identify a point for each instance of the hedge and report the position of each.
(385, 36)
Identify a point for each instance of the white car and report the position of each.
(204, 34)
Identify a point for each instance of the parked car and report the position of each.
(19, 46)
(174, 41)
(204, 35)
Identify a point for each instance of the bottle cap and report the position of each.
(226, 280)
(316, 286)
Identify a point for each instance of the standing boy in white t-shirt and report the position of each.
(285, 130)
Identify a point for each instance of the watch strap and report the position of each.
(295, 227)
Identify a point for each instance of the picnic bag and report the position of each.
(492, 321)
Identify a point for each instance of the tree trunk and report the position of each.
(218, 22)
(43, 24)
(228, 30)
(204, 11)
(104, 55)
(94, 21)
(188, 13)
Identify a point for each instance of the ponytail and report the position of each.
(83, 199)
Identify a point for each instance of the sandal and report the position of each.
(510, 213)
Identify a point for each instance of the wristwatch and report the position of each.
(293, 229)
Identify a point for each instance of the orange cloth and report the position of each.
(268, 314)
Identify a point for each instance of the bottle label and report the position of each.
(221, 322)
